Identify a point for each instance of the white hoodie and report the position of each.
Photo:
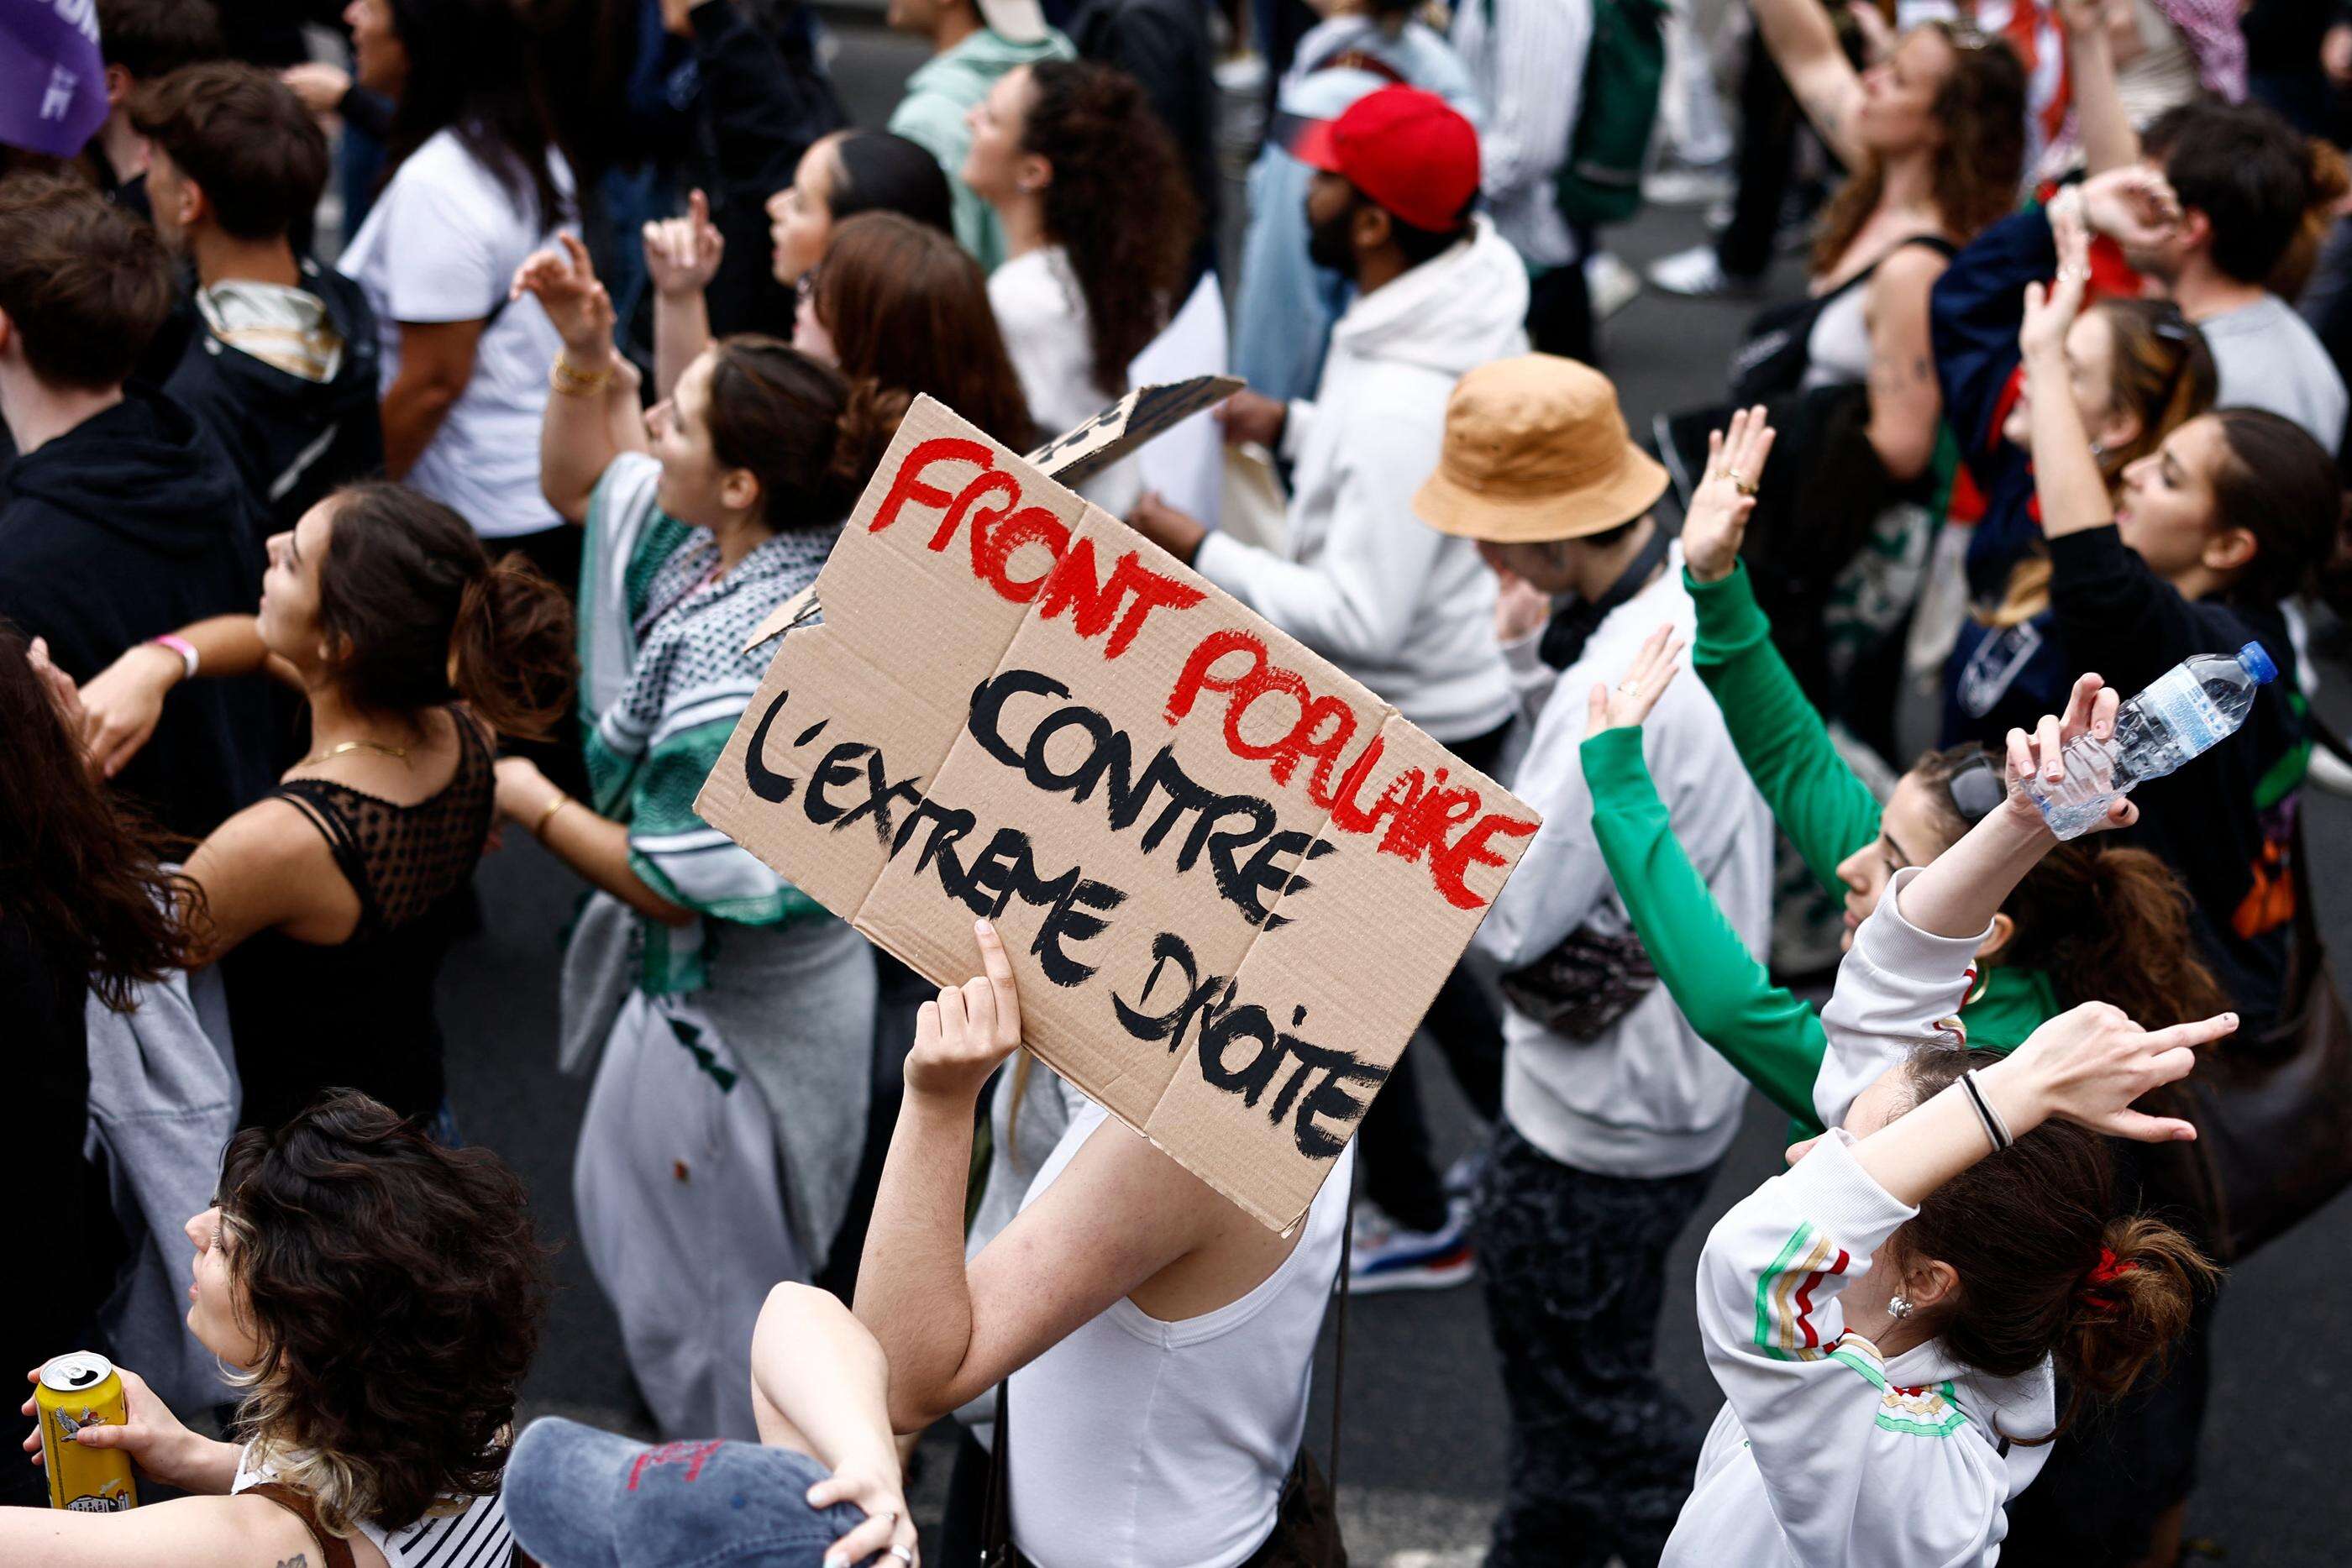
(1825, 1452)
(1405, 609)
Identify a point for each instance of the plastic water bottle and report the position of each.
(2191, 707)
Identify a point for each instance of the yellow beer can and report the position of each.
(81, 1390)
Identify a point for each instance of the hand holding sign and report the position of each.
(960, 1038)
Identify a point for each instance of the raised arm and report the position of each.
(2066, 476)
(589, 418)
(2109, 139)
(1804, 45)
(1771, 1036)
(682, 256)
(820, 1383)
(1118, 1214)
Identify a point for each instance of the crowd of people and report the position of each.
(328, 567)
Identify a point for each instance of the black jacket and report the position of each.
(2222, 821)
(763, 98)
(292, 440)
(131, 525)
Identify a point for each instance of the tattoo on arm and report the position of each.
(299, 1560)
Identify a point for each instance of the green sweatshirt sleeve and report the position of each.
(1774, 1039)
(1827, 812)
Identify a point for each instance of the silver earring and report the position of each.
(1900, 1306)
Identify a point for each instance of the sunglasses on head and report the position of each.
(1978, 787)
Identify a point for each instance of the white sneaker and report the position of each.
(1610, 284)
(1387, 1257)
(1696, 275)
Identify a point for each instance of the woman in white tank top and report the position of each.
(1158, 1341)
(380, 1296)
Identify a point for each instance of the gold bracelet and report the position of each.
(565, 377)
(538, 829)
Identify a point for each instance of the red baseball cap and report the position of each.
(1406, 149)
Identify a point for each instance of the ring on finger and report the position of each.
(903, 1554)
(1629, 689)
(1740, 481)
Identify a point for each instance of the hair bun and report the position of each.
(870, 416)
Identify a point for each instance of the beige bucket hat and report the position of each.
(1535, 450)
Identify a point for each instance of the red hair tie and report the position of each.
(2104, 1272)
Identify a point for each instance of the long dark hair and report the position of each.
(1981, 107)
(2030, 1231)
(79, 874)
(907, 308)
(396, 1289)
(422, 614)
(1119, 204)
(2103, 921)
(473, 70)
(809, 436)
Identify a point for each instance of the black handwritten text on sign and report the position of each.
(1234, 1042)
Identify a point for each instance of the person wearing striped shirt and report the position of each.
(1527, 64)
(1884, 1319)
(380, 1298)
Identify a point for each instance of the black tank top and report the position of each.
(358, 1014)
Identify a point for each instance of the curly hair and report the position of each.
(1981, 107)
(395, 1289)
(79, 874)
(1119, 204)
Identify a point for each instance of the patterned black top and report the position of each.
(359, 1014)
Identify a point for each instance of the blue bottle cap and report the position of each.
(2258, 663)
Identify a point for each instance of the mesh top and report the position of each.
(403, 860)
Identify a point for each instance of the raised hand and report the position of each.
(682, 255)
(563, 281)
(1718, 520)
(1629, 701)
(960, 1038)
(2090, 710)
(2050, 310)
(2088, 1064)
(2134, 205)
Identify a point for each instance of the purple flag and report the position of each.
(52, 82)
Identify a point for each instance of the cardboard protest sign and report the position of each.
(1230, 877)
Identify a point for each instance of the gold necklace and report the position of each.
(399, 753)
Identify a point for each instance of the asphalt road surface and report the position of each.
(1423, 1432)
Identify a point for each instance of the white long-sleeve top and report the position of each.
(1363, 582)
(1826, 1453)
(1900, 988)
(1649, 1097)
(1526, 61)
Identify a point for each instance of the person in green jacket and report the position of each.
(974, 42)
(2090, 922)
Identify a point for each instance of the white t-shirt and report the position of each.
(1143, 1444)
(442, 244)
(1043, 314)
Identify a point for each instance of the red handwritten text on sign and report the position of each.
(1418, 817)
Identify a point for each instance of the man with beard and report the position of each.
(1403, 609)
